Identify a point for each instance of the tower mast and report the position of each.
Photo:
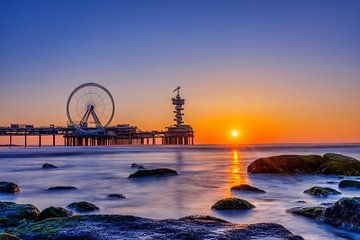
(178, 102)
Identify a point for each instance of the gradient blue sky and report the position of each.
(280, 71)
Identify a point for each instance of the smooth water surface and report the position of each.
(206, 174)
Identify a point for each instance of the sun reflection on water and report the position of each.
(237, 171)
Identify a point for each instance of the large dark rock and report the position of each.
(54, 212)
(61, 188)
(48, 165)
(232, 204)
(330, 164)
(344, 213)
(321, 191)
(82, 207)
(248, 188)
(158, 172)
(109, 227)
(11, 213)
(349, 184)
(9, 187)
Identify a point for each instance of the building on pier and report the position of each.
(178, 134)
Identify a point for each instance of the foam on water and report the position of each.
(206, 174)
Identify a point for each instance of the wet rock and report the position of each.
(82, 207)
(108, 227)
(287, 164)
(246, 187)
(232, 204)
(7, 236)
(159, 172)
(61, 188)
(11, 213)
(115, 196)
(340, 177)
(48, 165)
(321, 191)
(349, 184)
(138, 166)
(345, 213)
(331, 182)
(54, 212)
(312, 212)
(301, 201)
(326, 204)
(330, 163)
(9, 187)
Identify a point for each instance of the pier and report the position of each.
(82, 131)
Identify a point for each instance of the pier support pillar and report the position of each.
(10, 141)
(25, 142)
(39, 140)
(53, 140)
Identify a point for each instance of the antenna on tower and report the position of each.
(177, 89)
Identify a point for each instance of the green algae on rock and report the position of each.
(321, 191)
(349, 184)
(232, 204)
(53, 212)
(11, 213)
(329, 164)
(82, 207)
(108, 227)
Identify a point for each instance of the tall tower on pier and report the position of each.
(178, 102)
(179, 133)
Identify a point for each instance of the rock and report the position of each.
(246, 187)
(340, 177)
(301, 201)
(61, 188)
(9, 187)
(11, 213)
(48, 165)
(232, 204)
(312, 212)
(331, 182)
(349, 184)
(138, 166)
(115, 196)
(321, 191)
(54, 212)
(287, 164)
(330, 163)
(82, 207)
(326, 204)
(159, 172)
(345, 213)
(109, 227)
(7, 236)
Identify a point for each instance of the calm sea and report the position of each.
(206, 174)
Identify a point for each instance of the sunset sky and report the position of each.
(277, 71)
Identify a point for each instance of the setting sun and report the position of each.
(235, 133)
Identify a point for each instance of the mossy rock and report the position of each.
(82, 207)
(321, 191)
(287, 164)
(349, 184)
(13, 211)
(247, 188)
(7, 236)
(9, 187)
(109, 227)
(232, 204)
(311, 212)
(337, 168)
(330, 163)
(54, 212)
(158, 172)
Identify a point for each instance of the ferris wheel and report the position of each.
(90, 105)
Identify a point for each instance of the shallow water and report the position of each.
(206, 174)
